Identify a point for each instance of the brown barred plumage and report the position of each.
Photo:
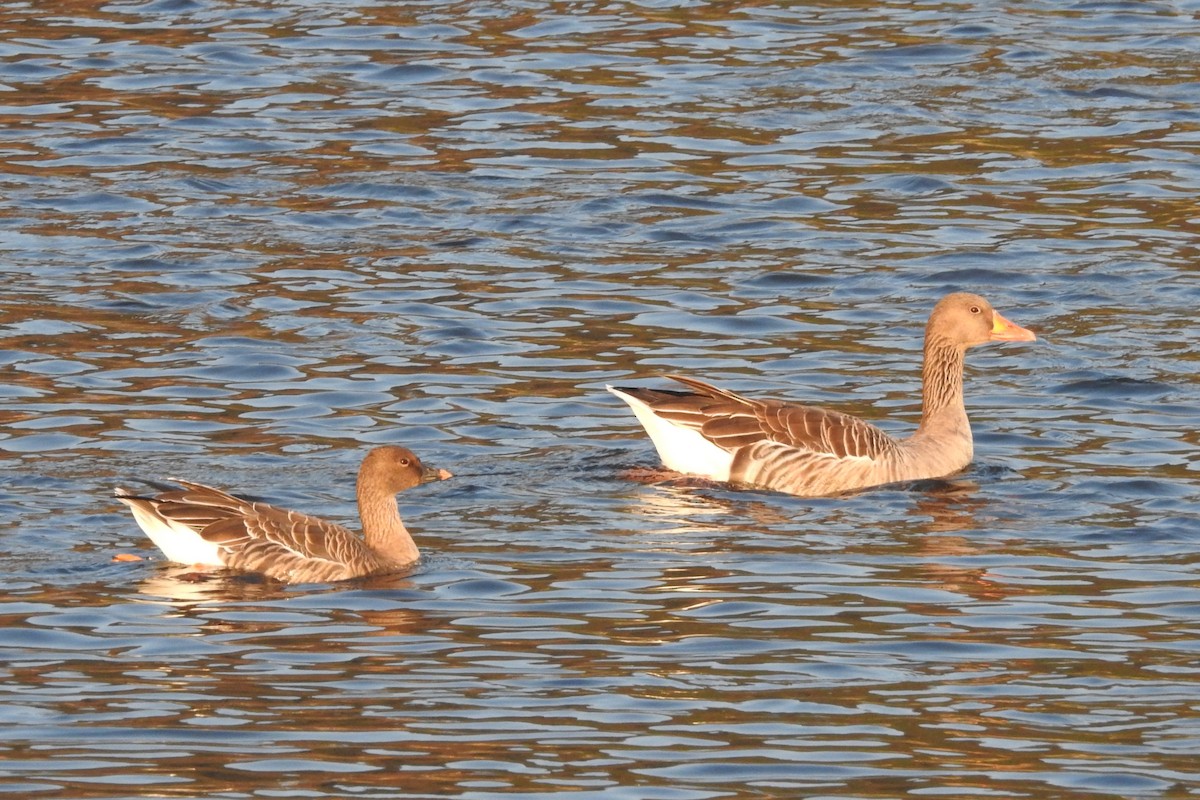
(808, 451)
(201, 524)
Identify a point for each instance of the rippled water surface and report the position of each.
(242, 243)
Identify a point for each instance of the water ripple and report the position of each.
(244, 244)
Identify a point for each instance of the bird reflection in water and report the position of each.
(954, 506)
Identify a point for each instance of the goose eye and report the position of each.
(974, 309)
(404, 462)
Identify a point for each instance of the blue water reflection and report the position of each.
(244, 243)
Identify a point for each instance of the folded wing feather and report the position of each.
(735, 422)
(256, 531)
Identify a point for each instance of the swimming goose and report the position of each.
(205, 526)
(810, 451)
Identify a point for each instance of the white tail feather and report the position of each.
(178, 542)
(681, 448)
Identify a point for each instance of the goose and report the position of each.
(200, 525)
(808, 451)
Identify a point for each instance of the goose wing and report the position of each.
(255, 530)
(734, 423)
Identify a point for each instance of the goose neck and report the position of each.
(942, 385)
(383, 529)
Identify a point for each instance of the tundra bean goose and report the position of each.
(198, 524)
(810, 451)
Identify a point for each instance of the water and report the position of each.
(243, 243)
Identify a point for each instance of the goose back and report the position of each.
(806, 450)
(200, 524)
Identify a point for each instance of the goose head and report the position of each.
(964, 320)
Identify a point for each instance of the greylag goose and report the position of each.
(205, 526)
(810, 451)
